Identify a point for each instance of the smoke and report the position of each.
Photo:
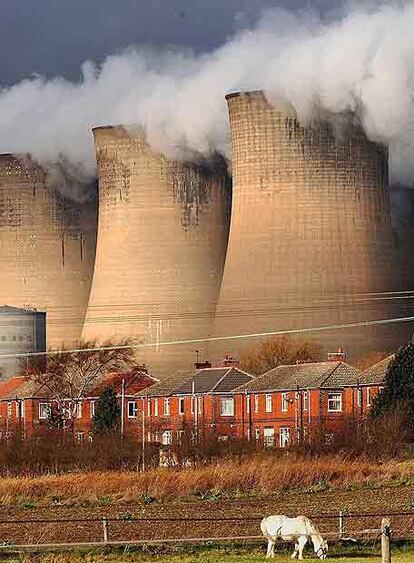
(362, 61)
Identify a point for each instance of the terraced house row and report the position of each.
(276, 408)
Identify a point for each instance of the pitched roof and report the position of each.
(26, 389)
(166, 386)
(377, 372)
(305, 376)
(217, 380)
(9, 386)
(135, 380)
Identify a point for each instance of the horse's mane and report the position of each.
(312, 529)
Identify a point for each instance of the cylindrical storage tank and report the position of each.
(310, 233)
(162, 236)
(47, 245)
(21, 331)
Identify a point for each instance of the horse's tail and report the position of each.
(263, 527)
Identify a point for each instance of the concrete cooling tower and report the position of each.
(310, 233)
(162, 237)
(47, 245)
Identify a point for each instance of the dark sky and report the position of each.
(53, 37)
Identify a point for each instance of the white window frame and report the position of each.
(256, 404)
(42, 407)
(227, 406)
(20, 409)
(369, 397)
(268, 436)
(181, 406)
(285, 402)
(335, 396)
(305, 400)
(9, 409)
(78, 410)
(284, 436)
(91, 409)
(166, 407)
(148, 407)
(166, 437)
(248, 404)
(257, 434)
(80, 437)
(359, 397)
(192, 404)
(200, 405)
(155, 407)
(268, 403)
(132, 409)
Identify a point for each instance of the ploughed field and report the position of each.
(209, 517)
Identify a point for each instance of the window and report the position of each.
(359, 397)
(200, 405)
(269, 437)
(268, 403)
(20, 409)
(166, 407)
(284, 437)
(148, 407)
(257, 434)
(368, 396)
(285, 402)
(92, 409)
(166, 437)
(79, 409)
(155, 407)
(227, 406)
(305, 400)
(44, 410)
(9, 409)
(132, 409)
(79, 437)
(192, 405)
(256, 403)
(248, 404)
(334, 402)
(181, 405)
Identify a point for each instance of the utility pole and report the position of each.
(143, 433)
(122, 406)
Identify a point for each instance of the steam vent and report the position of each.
(46, 249)
(310, 234)
(162, 236)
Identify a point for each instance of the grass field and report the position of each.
(237, 555)
(257, 476)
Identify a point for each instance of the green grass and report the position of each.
(402, 554)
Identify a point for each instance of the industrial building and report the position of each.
(162, 236)
(310, 242)
(21, 331)
(47, 245)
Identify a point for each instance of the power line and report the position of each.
(215, 338)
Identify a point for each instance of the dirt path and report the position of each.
(359, 500)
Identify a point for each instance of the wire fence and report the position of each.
(129, 529)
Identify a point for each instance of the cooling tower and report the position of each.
(310, 233)
(162, 236)
(46, 249)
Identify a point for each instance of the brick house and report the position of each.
(26, 404)
(201, 400)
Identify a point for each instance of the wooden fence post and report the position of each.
(105, 529)
(386, 540)
(341, 525)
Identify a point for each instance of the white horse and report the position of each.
(298, 529)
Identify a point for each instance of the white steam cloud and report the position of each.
(363, 62)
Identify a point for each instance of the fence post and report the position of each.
(341, 525)
(105, 529)
(385, 540)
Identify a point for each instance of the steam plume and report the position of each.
(363, 62)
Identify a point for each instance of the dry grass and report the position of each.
(261, 474)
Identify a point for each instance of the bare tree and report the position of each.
(282, 350)
(370, 360)
(68, 375)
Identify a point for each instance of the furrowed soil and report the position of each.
(210, 517)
